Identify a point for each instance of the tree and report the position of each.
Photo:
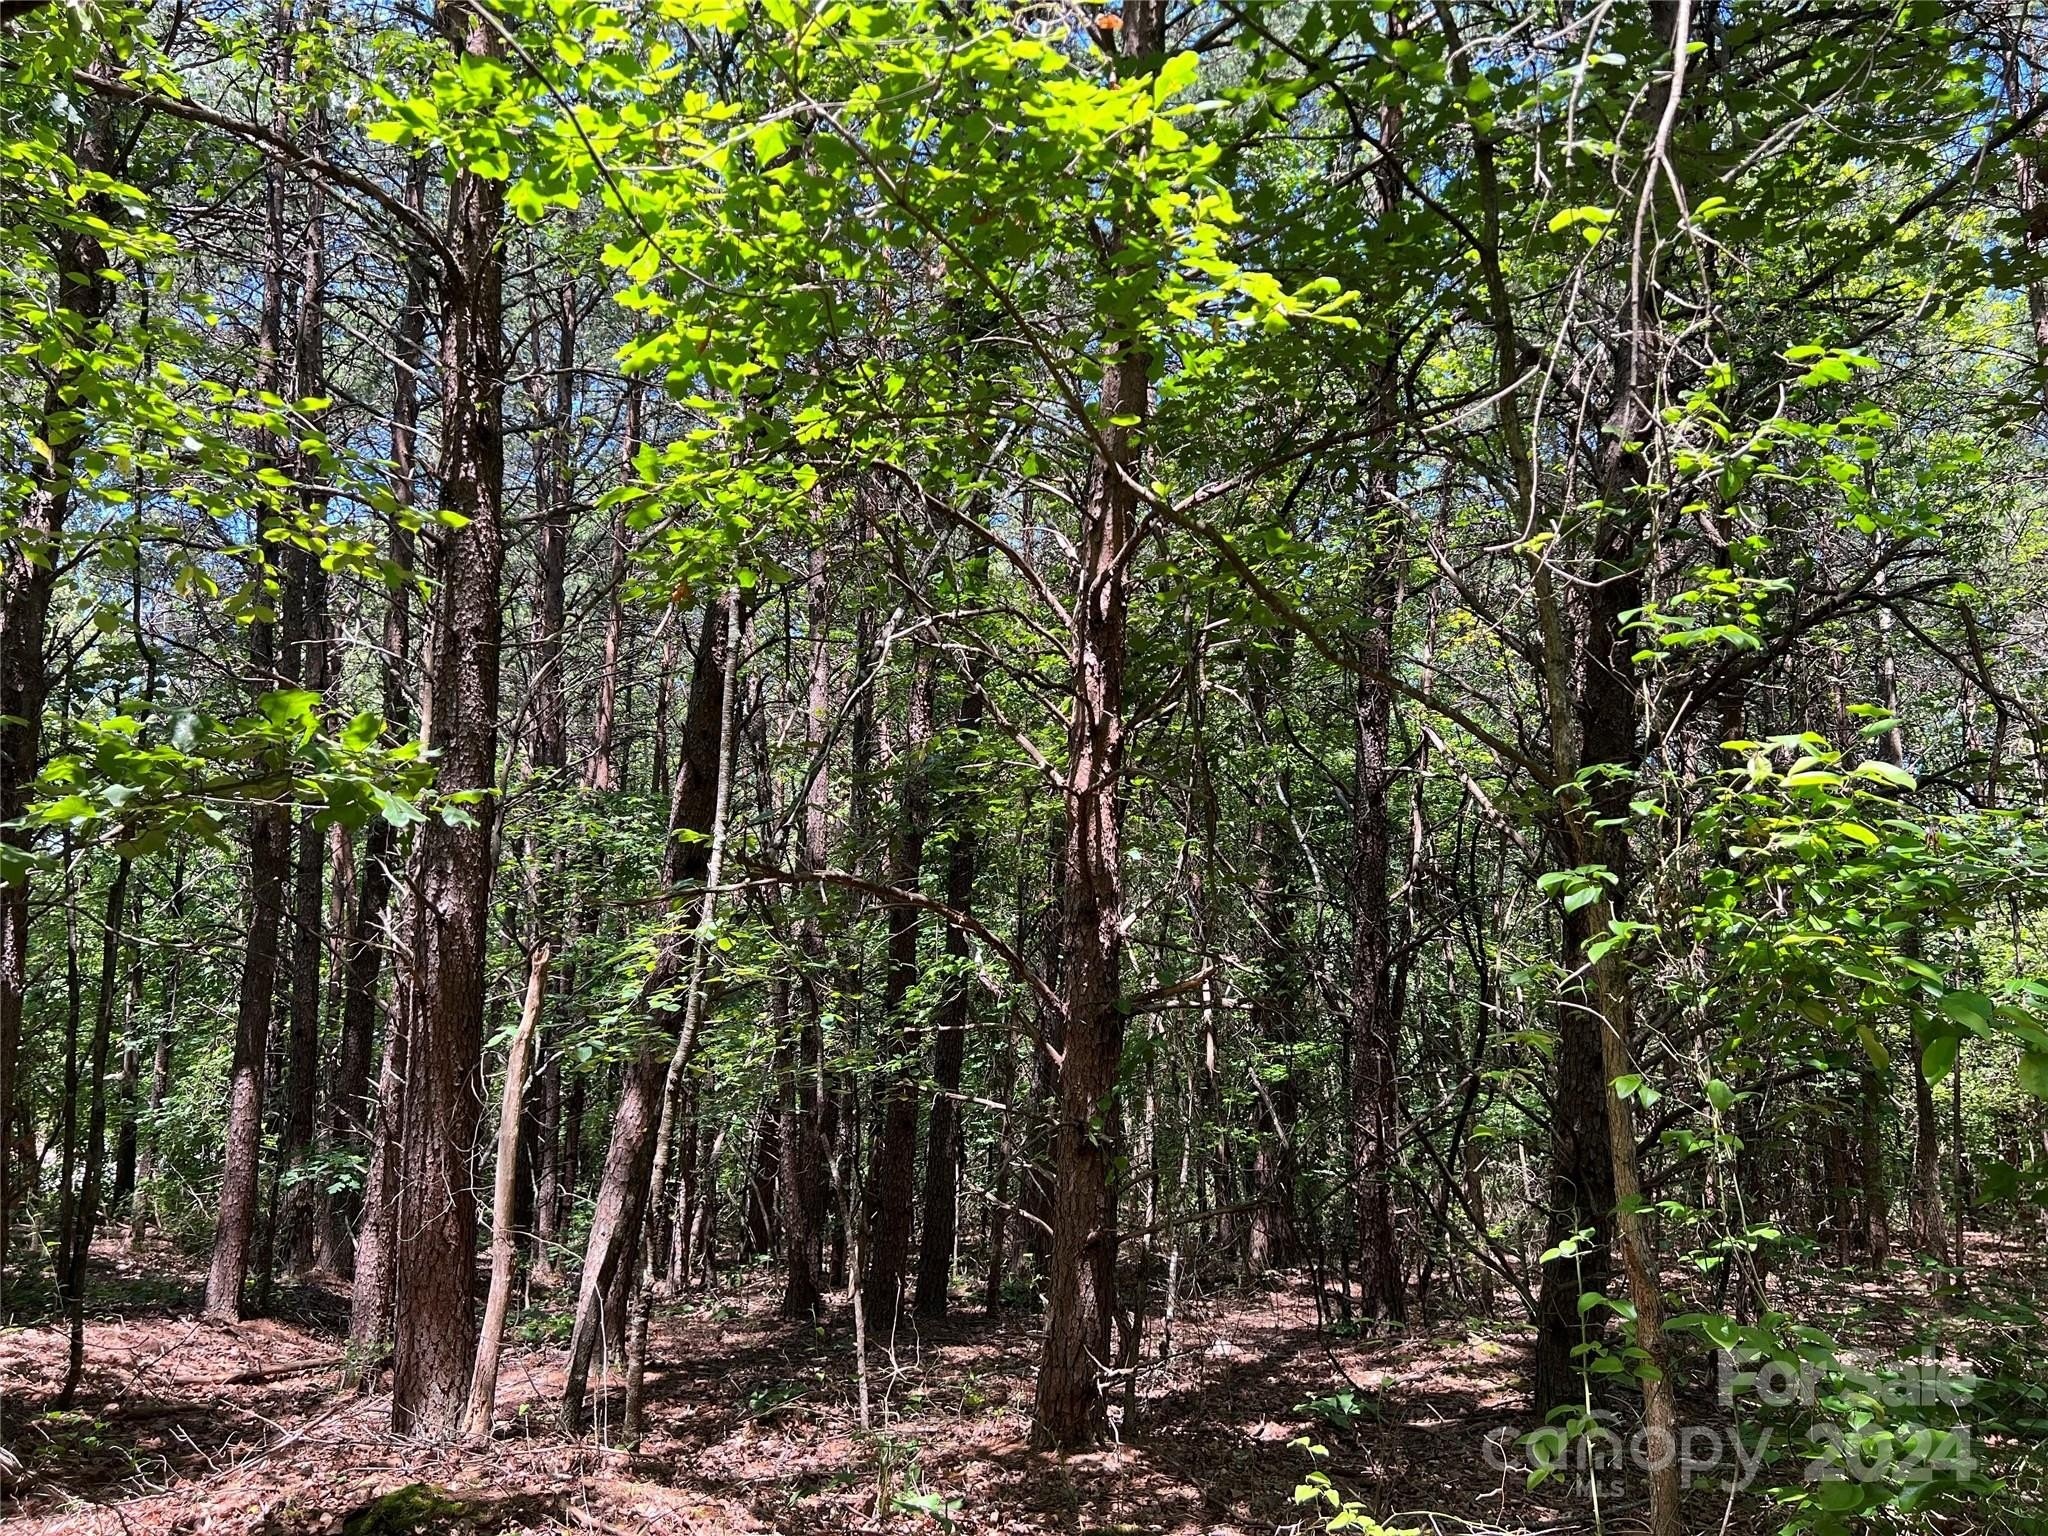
(435, 1237)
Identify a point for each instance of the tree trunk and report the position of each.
(1375, 1023)
(1070, 1407)
(2020, 76)
(67, 1114)
(1924, 1204)
(86, 1216)
(127, 1145)
(1374, 1034)
(483, 1385)
(29, 562)
(242, 1136)
(357, 1111)
(306, 666)
(615, 1226)
(371, 1299)
(604, 771)
(1474, 1170)
(1580, 1206)
(1930, 1226)
(1594, 807)
(302, 1050)
(1638, 1258)
(1875, 1219)
(1274, 1242)
(697, 955)
(949, 1030)
(269, 851)
(1035, 1195)
(996, 1273)
(435, 1343)
(548, 754)
(805, 1148)
(892, 1174)
(548, 1166)
(147, 1158)
(765, 1173)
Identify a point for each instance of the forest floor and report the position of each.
(187, 1426)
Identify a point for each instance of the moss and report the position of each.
(415, 1507)
(425, 1509)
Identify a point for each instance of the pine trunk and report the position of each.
(1071, 1405)
(892, 1175)
(434, 1344)
(949, 1032)
(610, 1254)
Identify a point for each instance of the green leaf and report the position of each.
(362, 732)
(1885, 773)
(1973, 1010)
(291, 708)
(1599, 218)
(1175, 76)
(15, 864)
(1840, 1496)
(396, 810)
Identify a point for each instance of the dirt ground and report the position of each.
(188, 1426)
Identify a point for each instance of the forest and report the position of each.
(1104, 766)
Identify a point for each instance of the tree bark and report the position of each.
(306, 666)
(87, 1216)
(604, 770)
(1581, 1196)
(33, 555)
(1375, 1022)
(1875, 1218)
(360, 1106)
(759, 1221)
(629, 1155)
(242, 1136)
(483, 1385)
(805, 1148)
(1595, 810)
(549, 1164)
(269, 848)
(1070, 1408)
(548, 754)
(1924, 1203)
(1274, 1240)
(435, 1341)
(372, 1294)
(1374, 1036)
(949, 1029)
(698, 952)
(146, 1162)
(127, 1144)
(892, 1174)
(1638, 1258)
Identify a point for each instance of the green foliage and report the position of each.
(1337, 1410)
(1833, 905)
(1330, 1508)
(1477, 384)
